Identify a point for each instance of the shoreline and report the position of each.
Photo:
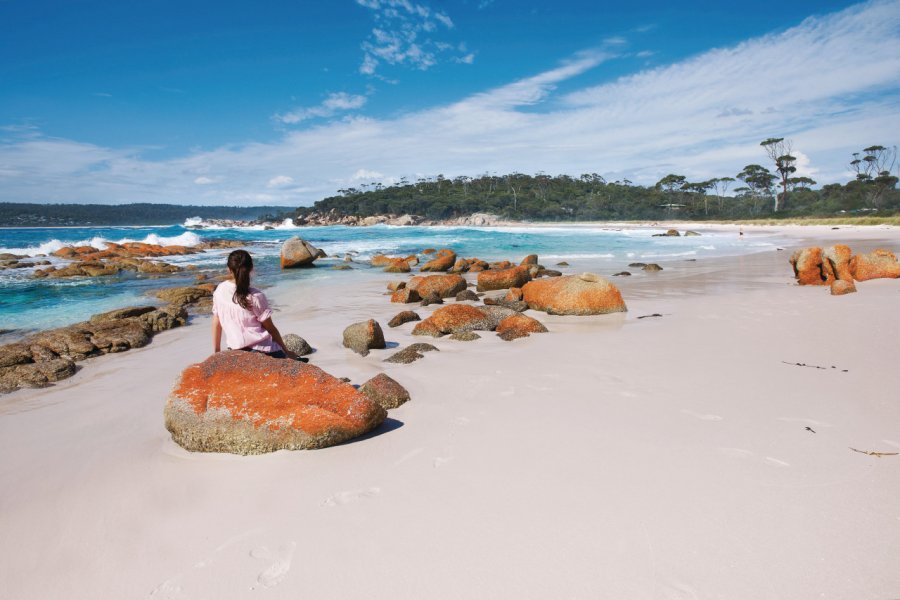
(640, 457)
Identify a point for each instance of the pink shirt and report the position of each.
(243, 328)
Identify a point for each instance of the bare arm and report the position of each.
(217, 334)
(269, 326)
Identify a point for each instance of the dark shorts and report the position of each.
(276, 354)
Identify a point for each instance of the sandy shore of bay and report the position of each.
(686, 455)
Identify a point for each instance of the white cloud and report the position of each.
(366, 174)
(334, 103)
(280, 181)
(405, 34)
(202, 180)
(807, 83)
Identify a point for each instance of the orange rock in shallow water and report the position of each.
(397, 265)
(875, 265)
(585, 294)
(808, 267)
(249, 403)
(444, 261)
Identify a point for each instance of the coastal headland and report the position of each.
(731, 435)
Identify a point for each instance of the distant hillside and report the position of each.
(517, 196)
(58, 215)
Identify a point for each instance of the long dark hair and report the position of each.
(240, 264)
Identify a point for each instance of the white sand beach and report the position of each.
(681, 456)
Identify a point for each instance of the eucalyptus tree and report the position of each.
(874, 170)
(759, 180)
(779, 151)
(721, 185)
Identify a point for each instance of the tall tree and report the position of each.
(874, 170)
(720, 185)
(759, 180)
(779, 151)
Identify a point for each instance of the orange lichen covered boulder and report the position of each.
(513, 295)
(397, 265)
(503, 279)
(839, 287)
(875, 265)
(808, 267)
(585, 294)
(249, 403)
(405, 296)
(380, 260)
(445, 286)
(531, 259)
(443, 261)
(454, 319)
(517, 326)
(836, 262)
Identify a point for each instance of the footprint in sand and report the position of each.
(280, 563)
(168, 590)
(440, 461)
(341, 498)
(702, 417)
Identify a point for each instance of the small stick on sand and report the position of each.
(874, 453)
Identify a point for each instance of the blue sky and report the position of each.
(277, 102)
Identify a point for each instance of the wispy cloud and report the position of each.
(406, 33)
(333, 104)
(702, 117)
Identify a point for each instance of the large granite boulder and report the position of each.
(875, 265)
(445, 286)
(249, 403)
(808, 267)
(443, 261)
(297, 252)
(455, 318)
(585, 294)
(503, 279)
(397, 265)
(364, 336)
(385, 391)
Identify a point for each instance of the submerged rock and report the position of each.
(249, 403)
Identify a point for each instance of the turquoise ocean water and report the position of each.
(27, 304)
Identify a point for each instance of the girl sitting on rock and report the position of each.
(243, 313)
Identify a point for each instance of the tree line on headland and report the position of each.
(756, 192)
(100, 215)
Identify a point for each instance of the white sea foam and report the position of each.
(185, 239)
